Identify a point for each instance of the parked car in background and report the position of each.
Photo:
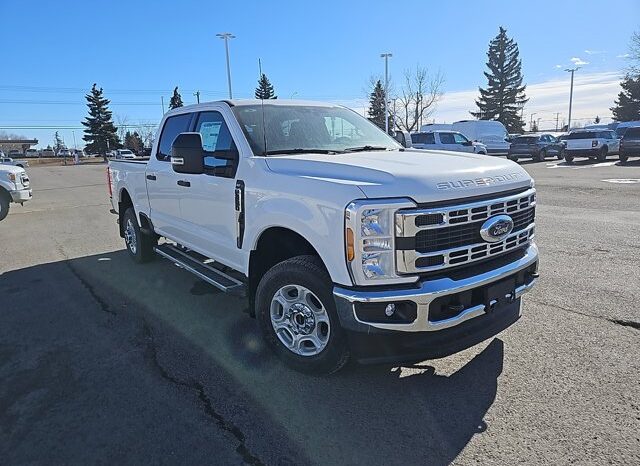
(536, 147)
(14, 187)
(592, 144)
(446, 140)
(630, 144)
(47, 153)
(17, 163)
(64, 153)
(80, 153)
(15, 153)
(491, 133)
(125, 154)
(622, 127)
(31, 153)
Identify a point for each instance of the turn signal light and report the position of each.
(350, 245)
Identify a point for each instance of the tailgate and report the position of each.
(579, 144)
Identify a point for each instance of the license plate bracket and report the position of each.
(500, 294)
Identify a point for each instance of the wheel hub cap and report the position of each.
(301, 319)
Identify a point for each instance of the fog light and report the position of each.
(390, 310)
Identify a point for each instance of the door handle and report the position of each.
(151, 177)
(184, 183)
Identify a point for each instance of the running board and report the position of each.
(202, 268)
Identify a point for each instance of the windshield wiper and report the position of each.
(300, 151)
(364, 148)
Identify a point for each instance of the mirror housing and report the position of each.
(187, 154)
(467, 143)
(404, 138)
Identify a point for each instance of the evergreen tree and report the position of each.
(100, 133)
(265, 88)
(504, 95)
(376, 105)
(57, 141)
(597, 119)
(133, 142)
(176, 99)
(627, 107)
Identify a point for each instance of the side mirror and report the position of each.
(404, 138)
(187, 155)
(467, 143)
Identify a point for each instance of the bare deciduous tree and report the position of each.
(121, 123)
(417, 98)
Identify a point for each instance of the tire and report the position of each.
(623, 158)
(560, 155)
(542, 155)
(513, 158)
(568, 158)
(139, 246)
(4, 204)
(310, 340)
(602, 155)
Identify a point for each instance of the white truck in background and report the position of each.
(347, 245)
(14, 187)
(491, 133)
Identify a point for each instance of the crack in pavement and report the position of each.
(624, 323)
(152, 356)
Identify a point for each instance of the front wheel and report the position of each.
(542, 155)
(297, 316)
(560, 154)
(4, 204)
(568, 158)
(513, 158)
(623, 158)
(139, 245)
(602, 155)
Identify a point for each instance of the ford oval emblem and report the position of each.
(496, 228)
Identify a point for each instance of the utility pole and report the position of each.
(571, 70)
(531, 122)
(197, 94)
(226, 36)
(386, 57)
(557, 118)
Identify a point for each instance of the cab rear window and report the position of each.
(583, 135)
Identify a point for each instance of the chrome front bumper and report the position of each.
(429, 290)
(21, 195)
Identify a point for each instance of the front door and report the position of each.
(207, 206)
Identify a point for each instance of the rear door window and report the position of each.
(172, 127)
(632, 133)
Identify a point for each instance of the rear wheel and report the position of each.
(568, 158)
(297, 316)
(139, 245)
(623, 158)
(512, 157)
(602, 155)
(4, 204)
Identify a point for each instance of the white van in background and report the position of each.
(491, 133)
(436, 127)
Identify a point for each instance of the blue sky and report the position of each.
(138, 51)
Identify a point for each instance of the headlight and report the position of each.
(370, 241)
(12, 177)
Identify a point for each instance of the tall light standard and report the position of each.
(571, 70)
(226, 36)
(386, 57)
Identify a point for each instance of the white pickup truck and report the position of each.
(347, 245)
(14, 187)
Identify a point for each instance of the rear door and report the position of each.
(162, 188)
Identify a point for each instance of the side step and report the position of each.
(202, 268)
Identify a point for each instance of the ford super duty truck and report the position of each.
(346, 244)
(14, 187)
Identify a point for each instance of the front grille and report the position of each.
(433, 239)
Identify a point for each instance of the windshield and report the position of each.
(525, 140)
(299, 129)
(582, 135)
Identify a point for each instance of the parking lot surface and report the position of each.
(105, 361)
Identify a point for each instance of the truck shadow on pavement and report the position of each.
(95, 350)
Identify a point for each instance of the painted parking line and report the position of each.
(563, 164)
(622, 180)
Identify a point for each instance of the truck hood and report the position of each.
(5, 168)
(424, 176)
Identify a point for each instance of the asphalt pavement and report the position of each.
(104, 361)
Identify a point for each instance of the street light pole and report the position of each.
(386, 57)
(531, 123)
(226, 36)
(571, 70)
